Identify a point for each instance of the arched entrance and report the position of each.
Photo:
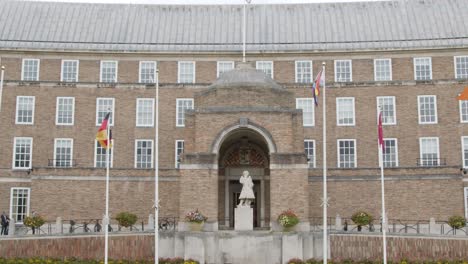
(243, 149)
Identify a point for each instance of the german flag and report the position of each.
(101, 135)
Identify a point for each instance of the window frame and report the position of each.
(220, 62)
(112, 117)
(430, 68)
(30, 154)
(28, 203)
(314, 164)
(464, 157)
(337, 111)
(461, 112)
(263, 62)
(152, 112)
(397, 163)
(436, 119)
(455, 66)
(394, 110)
(111, 158)
(193, 72)
(77, 70)
(297, 73)
(71, 152)
(303, 113)
(350, 71)
(177, 110)
(176, 162)
(421, 153)
(57, 111)
(155, 64)
(466, 201)
(136, 152)
(38, 69)
(390, 69)
(338, 152)
(33, 109)
(116, 71)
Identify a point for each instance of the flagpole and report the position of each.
(325, 198)
(156, 175)
(106, 226)
(382, 181)
(244, 29)
(1, 86)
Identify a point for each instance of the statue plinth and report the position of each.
(243, 218)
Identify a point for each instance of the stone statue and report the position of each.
(247, 195)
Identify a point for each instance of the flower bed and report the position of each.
(81, 261)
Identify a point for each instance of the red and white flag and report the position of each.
(381, 138)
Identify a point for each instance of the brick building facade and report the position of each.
(58, 87)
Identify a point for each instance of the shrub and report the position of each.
(191, 261)
(126, 219)
(288, 218)
(195, 216)
(295, 261)
(34, 221)
(362, 218)
(457, 222)
(313, 261)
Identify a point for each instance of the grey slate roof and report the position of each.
(399, 24)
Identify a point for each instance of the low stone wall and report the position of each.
(361, 247)
(237, 247)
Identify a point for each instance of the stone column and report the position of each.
(11, 227)
(150, 222)
(58, 226)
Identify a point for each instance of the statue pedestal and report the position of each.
(243, 218)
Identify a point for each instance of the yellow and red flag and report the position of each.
(101, 135)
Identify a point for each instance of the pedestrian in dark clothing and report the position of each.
(5, 221)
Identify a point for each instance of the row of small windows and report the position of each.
(345, 110)
(347, 152)
(63, 153)
(186, 70)
(65, 110)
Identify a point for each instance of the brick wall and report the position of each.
(88, 247)
(404, 199)
(419, 249)
(202, 128)
(85, 199)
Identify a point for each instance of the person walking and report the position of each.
(5, 221)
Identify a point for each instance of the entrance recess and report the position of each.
(244, 149)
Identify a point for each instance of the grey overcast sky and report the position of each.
(207, 2)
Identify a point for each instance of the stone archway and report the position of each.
(243, 149)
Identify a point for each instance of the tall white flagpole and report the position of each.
(156, 174)
(325, 198)
(382, 181)
(244, 30)
(106, 226)
(1, 86)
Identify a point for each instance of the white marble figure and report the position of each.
(247, 195)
